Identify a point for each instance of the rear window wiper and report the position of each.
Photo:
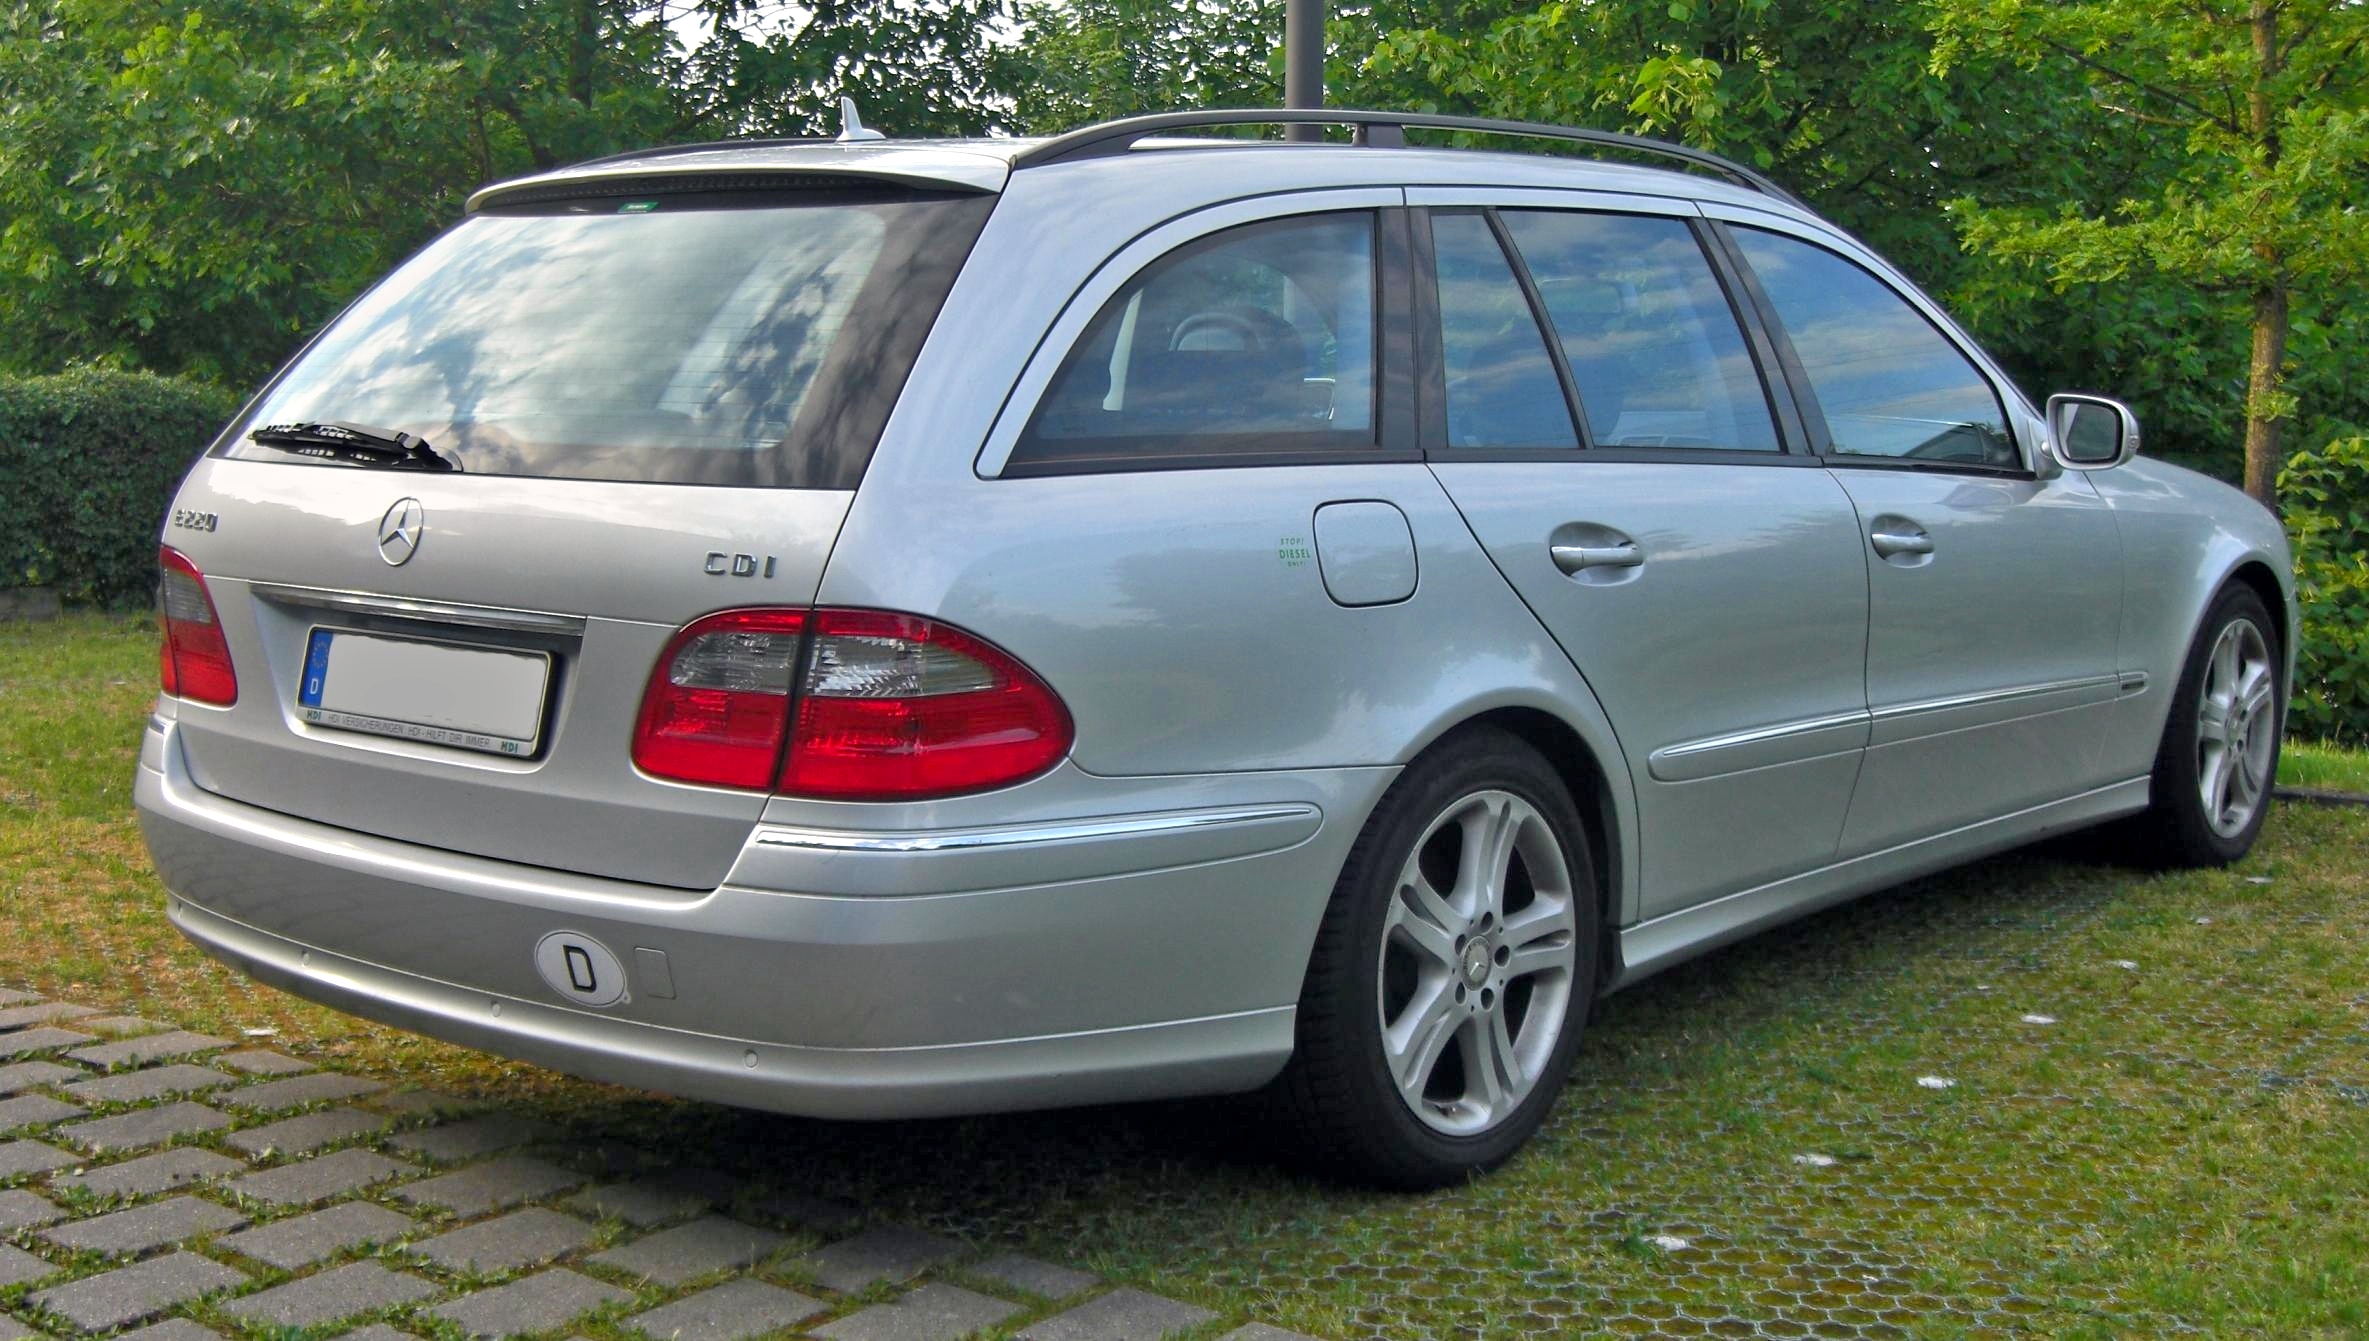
(355, 443)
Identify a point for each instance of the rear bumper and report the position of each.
(1152, 954)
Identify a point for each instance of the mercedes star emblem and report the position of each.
(399, 531)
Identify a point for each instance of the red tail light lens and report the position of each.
(888, 707)
(195, 661)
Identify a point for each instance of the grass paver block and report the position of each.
(648, 1202)
(1038, 1278)
(154, 1173)
(377, 1331)
(10, 996)
(538, 1303)
(18, 1077)
(1121, 1315)
(18, 1158)
(18, 1267)
(331, 1175)
(451, 1142)
(118, 1026)
(142, 1228)
(889, 1252)
(12, 1330)
(320, 1235)
(34, 1110)
(148, 1048)
(141, 1290)
(144, 1127)
(491, 1186)
(172, 1329)
(706, 1245)
(935, 1312)
(506, 1243)
(20, 1209)
(340, 1292)
(263, 1062)
(306, 1132)
(274, 1096)
(1259, 1331)
(41, 1012)
(40, 1040)
(133, 1087)
(823, 1217)
(728, 1312)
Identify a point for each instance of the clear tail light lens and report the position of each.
(719, 701)
(195, 660)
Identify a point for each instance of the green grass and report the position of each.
(2187, 1145)
(2324, 766)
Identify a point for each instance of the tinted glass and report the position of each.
(666, 339)
(1650, 336)
(1256, 339)
(1888, 382)
(1502, 387)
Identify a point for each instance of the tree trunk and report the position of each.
(2264, 385)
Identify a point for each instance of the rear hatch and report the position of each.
(657, 395)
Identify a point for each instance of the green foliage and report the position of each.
(89, 460)
(2326, 496)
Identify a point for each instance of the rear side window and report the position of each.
(749, 340)
(1252, 341)
(1502, 389)
(1889, 384)
(1653, 344)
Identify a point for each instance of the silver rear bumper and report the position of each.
(1147, 961)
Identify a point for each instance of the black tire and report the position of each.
(1337, 1095)
(2177, 829)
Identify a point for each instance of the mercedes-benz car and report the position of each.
(876, 628)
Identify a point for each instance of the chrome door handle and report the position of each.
(1889, 543)
(1573, 558)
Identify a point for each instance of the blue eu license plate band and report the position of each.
(316, 669)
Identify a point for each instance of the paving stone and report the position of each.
(647, 1202)
(1121, 1315)
(890, 1252)
(144, 1127)
(318, 1236)
(10, 996)
(141, 1290)
(306, 1132)
(18, 1267)
(420, 1103)
(935, 1312)
(497, 1183)
(454, 1141)
(377, 1331)
(1039, 1278)
(708, 1244)
(823, 1217)
(172, 1329)
(330, 1175)
(40, 1040)
(40, 1012)
(263, 1062)
(34, 1110)
(506, 1243)
(154, 1173)
(12, 1330)
(119, 1026)
(18, 1158)
(20, 1209)
(1259, 1331)
(538, 1303)
(728, 1312)
(133, 1087)
(274, 1096)
(21, 1076)
(126, 1233)
(340, 1292)
(148, 1048)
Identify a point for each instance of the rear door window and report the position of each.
(1502, 388)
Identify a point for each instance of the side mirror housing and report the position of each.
(2091, 432)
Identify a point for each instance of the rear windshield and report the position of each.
(695, 339)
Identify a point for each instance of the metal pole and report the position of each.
(1303, 62)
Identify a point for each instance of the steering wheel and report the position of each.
(1246, 335)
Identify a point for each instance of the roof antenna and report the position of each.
(851, 126)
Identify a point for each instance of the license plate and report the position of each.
(470, 698)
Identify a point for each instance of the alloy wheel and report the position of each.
(2236, 728)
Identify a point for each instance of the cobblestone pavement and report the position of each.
(177, 1187)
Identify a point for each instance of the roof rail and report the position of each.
(1381, 130)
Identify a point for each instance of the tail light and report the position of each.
(885, 707)
(195, 661)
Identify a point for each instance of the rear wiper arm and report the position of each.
(357, 443)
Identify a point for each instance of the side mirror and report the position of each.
(2092, 432)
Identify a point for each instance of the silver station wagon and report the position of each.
(874, 629)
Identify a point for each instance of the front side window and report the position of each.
(1502, 390)
(1252, 341)
(1889, 384)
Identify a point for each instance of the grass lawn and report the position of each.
(2324, 766)
(2157, 1115)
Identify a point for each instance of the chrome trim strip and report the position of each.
(1894, 712)
(1669, 763)
(1055, 831)
(404, 607)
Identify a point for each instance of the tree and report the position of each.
(2262, 108)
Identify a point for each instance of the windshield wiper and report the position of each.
(356, 443)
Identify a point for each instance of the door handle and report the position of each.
(1573, 558)
(1893, 541)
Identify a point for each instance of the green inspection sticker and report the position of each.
(637, 207)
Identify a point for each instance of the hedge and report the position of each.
(89, 460)
(2325, 493)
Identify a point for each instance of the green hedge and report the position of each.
(2325, 495)
(89, 460)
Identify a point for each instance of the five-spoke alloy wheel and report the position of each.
(2213, 774)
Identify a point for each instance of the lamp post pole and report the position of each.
(1303, 62)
